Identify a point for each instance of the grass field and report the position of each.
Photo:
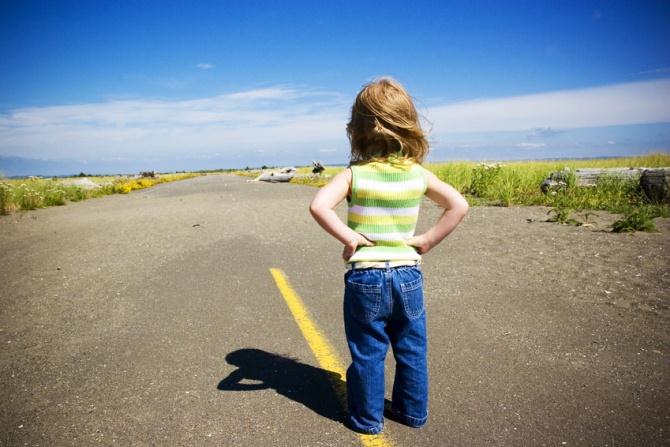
(518, 183)
(497, 184)
(30, 194)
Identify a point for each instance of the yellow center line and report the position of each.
(323, 351)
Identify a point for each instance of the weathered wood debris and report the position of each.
(590, 176)
(284, 175)
(655, 182)
(317, 167)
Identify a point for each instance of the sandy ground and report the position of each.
(122, 319)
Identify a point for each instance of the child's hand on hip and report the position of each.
(351, 246)
(419, 242)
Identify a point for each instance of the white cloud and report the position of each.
(204, 66)
(265, 93)
(530, 145)
(261, 119)
(619, 104)
(655, 71)
(304, 122)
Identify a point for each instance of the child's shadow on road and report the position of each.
(313, 387)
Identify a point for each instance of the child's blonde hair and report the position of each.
(385, 122)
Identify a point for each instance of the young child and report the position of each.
(383, 295)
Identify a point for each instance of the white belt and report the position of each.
(380, 264)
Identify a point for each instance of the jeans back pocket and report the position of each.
(363, 301)
(412, 298)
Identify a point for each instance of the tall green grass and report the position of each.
(518, 183)
(30, 194)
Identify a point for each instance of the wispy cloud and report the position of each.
(261, 119)
(530, 145)
(302, 123)
(271, 93)
(655, 71)
(205, 66)
(612, 105)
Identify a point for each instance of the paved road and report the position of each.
(152, 319)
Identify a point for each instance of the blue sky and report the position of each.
(109, 86)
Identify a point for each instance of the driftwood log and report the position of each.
(285, 175)
(655, 182)
(590, 177)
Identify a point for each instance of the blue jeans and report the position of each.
(382, 307)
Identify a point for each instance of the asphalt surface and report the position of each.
(152, 319)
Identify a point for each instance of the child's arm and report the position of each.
(323, 210)
(455, 208)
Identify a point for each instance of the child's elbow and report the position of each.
(314, 208)
(463, 208)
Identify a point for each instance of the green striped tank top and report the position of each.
(384, 207)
